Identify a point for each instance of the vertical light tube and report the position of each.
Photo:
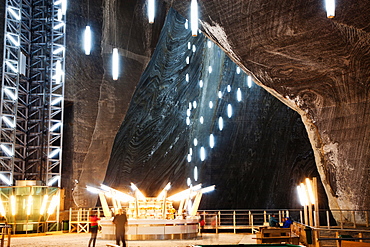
(29, 204)
(87, 40)
(2, 209)
(194, 17)
(13, 204)
(43, 205)
(115, 64)
(151, 10)
(211, 141)
(330, 8)
(202, 154)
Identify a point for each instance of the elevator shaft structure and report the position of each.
(32, 91)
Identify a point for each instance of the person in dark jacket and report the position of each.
(287, 222)
(120, 220)
(273, 222)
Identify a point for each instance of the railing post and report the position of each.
(70, 220)
(301, 216)
(338, 241)
(252, 223)
(234, 222)
(264, 217)
(354, 219)
(328, 218)
(249, 217)
(217, 223)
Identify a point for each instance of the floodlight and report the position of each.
(330, 8)
(211, 141)
(151, 10)
(229, 110)
(239, 95)
(220, 123)
(87, 40)
(194, 17)
(202, 154)
(115, 64)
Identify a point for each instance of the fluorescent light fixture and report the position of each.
(201, 83)
(202, 153)
(53, 204)
(5, 179)
(55, 126)
(187, 60)
(92, 189)
(209, 44)
(210, 69)
(220, 123)
(249, 81)
(239, 95)
(302, 194)
(115, 64)
(195, 142)
(208, 189)
(43, 205)
(187, 77)
(2, 209)
(13, 38)
(187, 121)
(194, 104)
(310, 190)
(330, 8)
(59, 25)
(228, 88)
(211, 140)
(60, 15)
(201, 120)
(210, 104)
(219, 94)
(238, 70)
(189, 158)
(29, 204)
(229, 110)
(7, 150)
(13, 205)
(194, 17)
(11, 66)
(58, 50)
(9, 122)
(87, 40)
(53, 180)
(188, 181)
(54, 153)
(194, 48)
(190, 151)
(195, 173)
(11, 93)
(151, 10)
(56, 100)
(15, 13)
(58, 72)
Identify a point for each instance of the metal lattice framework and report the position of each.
(32, 91)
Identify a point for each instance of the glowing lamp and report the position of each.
(195, 173)
(115, 64)
(302, 194)
(220, 123)
(151, 10)
(13, 205)
(202, 154)
(53, 204)
(43, 205)
(239, 95)
(249, 81)
(87, 40)
(194, 17)
(229, 110)
(2, 209)
(310, 191)
(330, 8)
(29, 204)
(211, 141)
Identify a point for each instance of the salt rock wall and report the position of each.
(259, 156)
(315, 65)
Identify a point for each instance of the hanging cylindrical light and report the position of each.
(115, 64)
(194, 17)
(330, 8)
(151, 10)
(87, 40)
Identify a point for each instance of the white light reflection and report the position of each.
(195, 142)
(220, 123)
(196, 173)
(209, 44)
(201, 119)
(229, 110)
(87, 40)
(211, 141)
(229, 88)
(189, 158)
(201, 83)
(210, 69)
(249, 81)
(186, 24)
(194, 104)
(188, 112)
(187, 121)
(219, 94)
(239, 95)
(187, 60)
(238, 70)
(188, 181)
(202, 154)
(189, 46)
(194, 48)
(210, 104)
(187, 77)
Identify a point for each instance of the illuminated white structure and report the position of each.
(330, 8)
(32, 91)
(194, 17)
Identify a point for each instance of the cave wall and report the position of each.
(260, 155)
(317, 66)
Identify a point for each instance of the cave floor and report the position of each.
(82, 239)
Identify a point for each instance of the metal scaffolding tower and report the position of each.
(32, 91)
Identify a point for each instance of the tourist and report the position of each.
(120, 220)
(287, 222)
(273, 222)
(93, 229)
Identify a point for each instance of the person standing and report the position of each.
(120, 220)
(273, 222)
(93, 228)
